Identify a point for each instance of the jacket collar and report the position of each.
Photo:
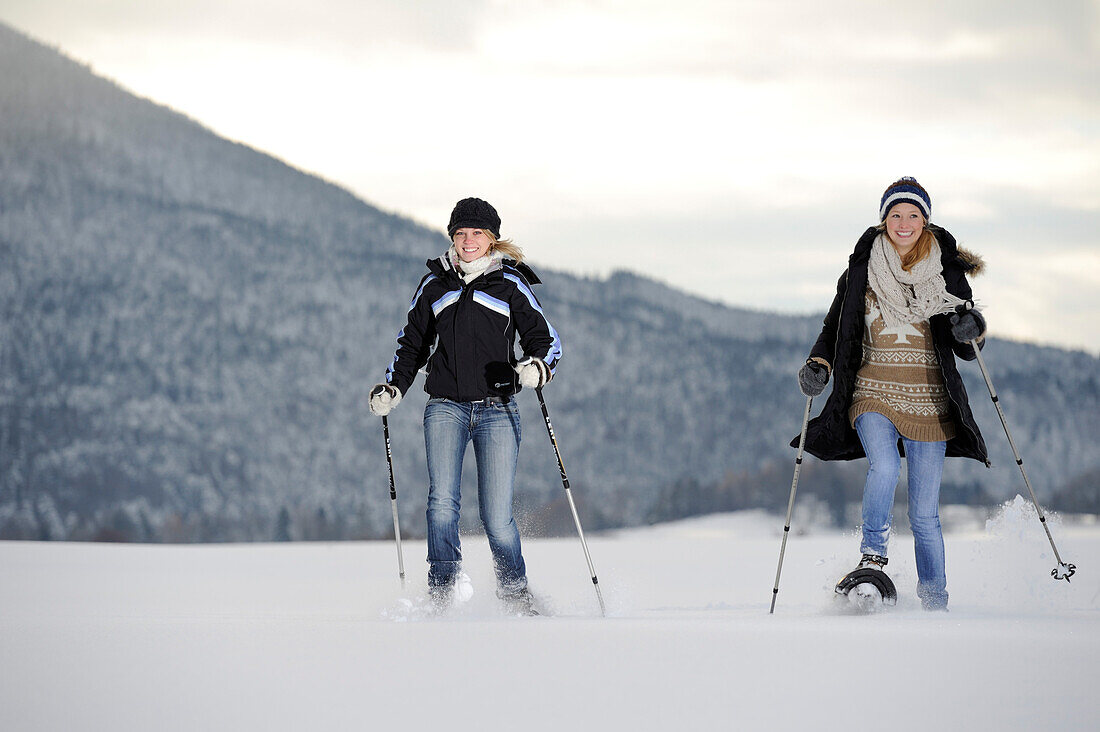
(862, 253)
(441, 267)
(949, 249)
(523, 269)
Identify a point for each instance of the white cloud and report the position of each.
(606, 130)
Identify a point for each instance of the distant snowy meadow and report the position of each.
(323, 636)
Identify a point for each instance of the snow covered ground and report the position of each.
(321, 636)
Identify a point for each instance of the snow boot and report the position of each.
(873, 561)
(520, 603)
(933, 600)
(440, 598)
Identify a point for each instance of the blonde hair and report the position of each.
(506, 247)
(921, 250)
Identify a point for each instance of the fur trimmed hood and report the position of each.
(972, 262)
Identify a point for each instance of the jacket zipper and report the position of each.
(840, 318)
(454, 333)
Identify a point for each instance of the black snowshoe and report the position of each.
(867, 587)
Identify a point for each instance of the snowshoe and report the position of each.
(867, 587)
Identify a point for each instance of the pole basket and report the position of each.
(1063, 571)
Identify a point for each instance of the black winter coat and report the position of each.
(830, 435)
(473, 328)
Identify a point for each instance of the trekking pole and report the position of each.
(569, 496)
(1063, 570)
(393, 503)
(790, 502)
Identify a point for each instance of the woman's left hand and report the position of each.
(533, 372)
(967, 326)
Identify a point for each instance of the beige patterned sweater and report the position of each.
(901, 379)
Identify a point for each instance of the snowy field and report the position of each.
(322, 636)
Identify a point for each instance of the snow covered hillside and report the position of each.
(322, 636)
(190, 329)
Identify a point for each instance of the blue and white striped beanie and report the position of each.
(905, 190)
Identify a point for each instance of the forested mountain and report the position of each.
(189, 328)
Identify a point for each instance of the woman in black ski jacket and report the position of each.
(889, 342)
(473, 303)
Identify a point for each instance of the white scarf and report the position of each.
(471, 270)
(908, 297)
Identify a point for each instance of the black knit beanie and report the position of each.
(474, 213)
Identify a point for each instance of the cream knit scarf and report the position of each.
(908, 297)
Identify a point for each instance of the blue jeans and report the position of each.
(925, 463)
(495, 430)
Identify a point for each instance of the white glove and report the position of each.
(383, 398)
(533, 372)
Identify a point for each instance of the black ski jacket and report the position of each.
(830, 436)
(473, 328)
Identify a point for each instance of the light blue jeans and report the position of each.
(925, 463)
(495, 431)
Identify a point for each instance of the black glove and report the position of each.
(812, 378)
(968, 325)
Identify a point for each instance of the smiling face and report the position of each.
(904, 224)
(472, 244)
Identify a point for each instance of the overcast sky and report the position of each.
(735, 149)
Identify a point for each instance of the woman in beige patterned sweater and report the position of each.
(889, 341)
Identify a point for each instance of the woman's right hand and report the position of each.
(383, 398)
(533, 373)
(812, 378)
